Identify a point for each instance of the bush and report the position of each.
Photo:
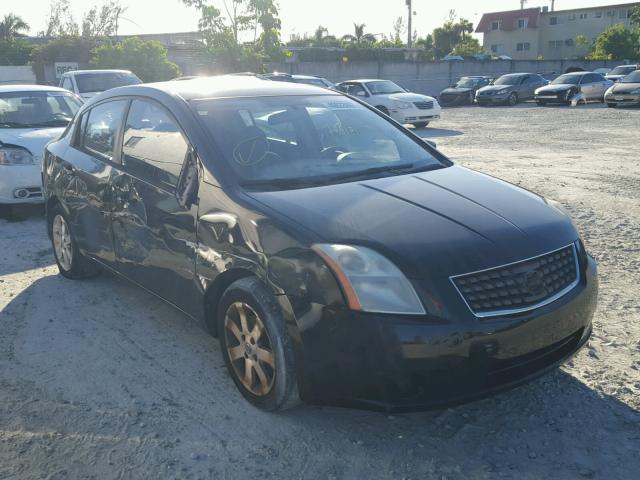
(148, 60)
(15, 52)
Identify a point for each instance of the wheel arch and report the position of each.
(214, 293)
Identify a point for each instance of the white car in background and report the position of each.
(401, 105)
(89, 83)
(30, 117)
(620, 72)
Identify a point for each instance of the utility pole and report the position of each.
(409, 27)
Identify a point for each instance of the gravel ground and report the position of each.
(99, 380)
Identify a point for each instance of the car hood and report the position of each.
(496, 88)
(559, 87)
(431, 224)
(456, 91)
(411, 97)
(33, 139)
(624, 87)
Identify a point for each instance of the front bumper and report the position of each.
(415, 115)
(451, 100)
(552, 97)
(492, 99)
(391, 363)
(622, 99)
(14, 178)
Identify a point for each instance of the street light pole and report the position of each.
(410, 34)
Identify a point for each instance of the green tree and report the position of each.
(635, 17)
(12, 26)
(616, 43)
(61, 22)
(359, 36)
(102, 21)
(15, 52)
(148, 60)
(468, 46)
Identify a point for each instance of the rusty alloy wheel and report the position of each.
(249, 349)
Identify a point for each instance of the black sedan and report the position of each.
(463, 92)
(338, 257)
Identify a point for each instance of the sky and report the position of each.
(298, 16)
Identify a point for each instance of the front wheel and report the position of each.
(420, 124)
(256, 347)
(71, 263)
(513, 99)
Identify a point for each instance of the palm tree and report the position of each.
(359, 36)
(11, 26)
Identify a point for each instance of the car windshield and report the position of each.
(622, 70)
(467, 82)
(508, 80)
(567, 79)
(37, 109)
(384, 87)
(288, 141)
(101, 81)
(632, 77)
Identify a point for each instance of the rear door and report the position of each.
(155, 234)
(85, 172)
(590, 86)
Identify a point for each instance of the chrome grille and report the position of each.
(424, 105)
(519, 286)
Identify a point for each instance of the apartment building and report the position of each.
(531, 33)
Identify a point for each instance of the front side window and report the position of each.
(153, 147)
(384, 87)
(99, 82)
(509, 80)
(102, 127)
(324, 139)
(37, 109)
(567, 79)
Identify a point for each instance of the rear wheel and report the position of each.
(71, 263)
(256, 347)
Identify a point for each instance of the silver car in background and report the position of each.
(625, 92)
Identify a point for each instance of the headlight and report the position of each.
(369, 281)
(399, 104)
(15, 156)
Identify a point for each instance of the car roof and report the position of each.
(30, 88)
(223, 86)
(75, 72)
(517, 74)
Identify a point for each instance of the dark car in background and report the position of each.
(624, 93)
(510, 89)
(463, 92)
(564, 88)
(337, 256)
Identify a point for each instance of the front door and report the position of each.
(87, 168)
(155, 234)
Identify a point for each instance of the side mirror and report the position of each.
(188, 182)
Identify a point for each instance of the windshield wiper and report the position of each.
(59, 122)
(15, 125)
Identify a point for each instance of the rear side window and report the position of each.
(102, 127)
(153, 148)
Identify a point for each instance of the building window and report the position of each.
(553, 21)
(583, 16)
(611, 13)
(554, 44)
(598, 14)
(572, 17)
(523, 22)
(496, 25)
(523, 47)
(569, 42)
(495, 48)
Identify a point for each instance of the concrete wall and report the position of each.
(431, 78)
(23, 74)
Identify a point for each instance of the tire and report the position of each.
(568, 96)
(71, 263)
(472, 98)
(384, 110)
(611, 105)
(260, 343)
(420, 124)
(513, 99)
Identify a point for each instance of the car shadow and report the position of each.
(429, 132)
(105, 359)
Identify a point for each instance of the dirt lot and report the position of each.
(100, 380)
